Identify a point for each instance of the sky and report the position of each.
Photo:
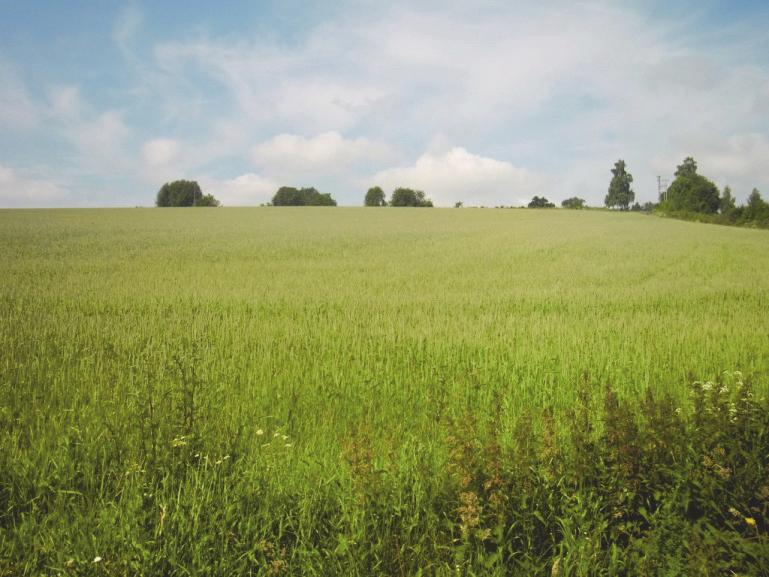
(488, 103)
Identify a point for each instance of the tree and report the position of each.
(375, 196)
(756, 209)
(409, 197)
(183, 193)
(459, 204)
(620, 194)
(727, 205)
(691, 192)
(573, 203)
(542, 202)
(290, 196)
(687, 168)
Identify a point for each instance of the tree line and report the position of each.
(692, 196)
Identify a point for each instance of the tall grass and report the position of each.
(299, 391)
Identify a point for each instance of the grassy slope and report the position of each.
(121, 326)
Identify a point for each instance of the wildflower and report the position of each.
(289, 445)
(259, 432)
(707, 386)
(723, 390)
(750, 521)
(734, 512)
(178, 442)
(97, 559)
(678, 410)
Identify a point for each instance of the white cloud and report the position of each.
(326, 153)
(66, 102)
(100, 139)
(127, 24)
(19, 191)
(244, 190)
(451, 175)
(160, 152)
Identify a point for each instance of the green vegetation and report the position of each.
(375, 196)
(691, 192)
(409, 197)
(183, 193)
(540, 202)
(620, 193)
(574, 203)
(290, 196)
(691, 196)
(360, 392)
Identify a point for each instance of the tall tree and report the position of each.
(620, 193)
(756, 208)
(687, 168)
(375, 196)
(727, 206)
(691, 192)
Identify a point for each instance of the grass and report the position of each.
(289, 391)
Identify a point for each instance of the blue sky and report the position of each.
(484, 102)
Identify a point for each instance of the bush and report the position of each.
(573, 203)
(183, 193)
(542, 202)
(290, 196)
(409, 197)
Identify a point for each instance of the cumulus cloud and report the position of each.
(245, 190)
(326, 153)
(20, 191)
(455, 174)
(160, 152)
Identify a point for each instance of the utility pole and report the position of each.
(662, 188)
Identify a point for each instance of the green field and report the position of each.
(277, 390)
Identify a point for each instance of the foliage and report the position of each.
(183, 193)
(620, 193)
(573, 203)
(459, 204)
(409, 197)
(260, 408)
(540, 202)
(290, 196)
(375, 196)
(727, 205)
(691, 192)
(687, 168)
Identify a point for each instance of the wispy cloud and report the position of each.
(533, 99)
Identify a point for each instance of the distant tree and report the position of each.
(290, 196)
(183, 193)
(542, 202)
(620, 194)
(375, 196)
(727, 205)
(687, 168)
(409, 197)
(573, 203)
(756, 209)
(691, 192)
(648, 206)
(459, 204)
(636, 207)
